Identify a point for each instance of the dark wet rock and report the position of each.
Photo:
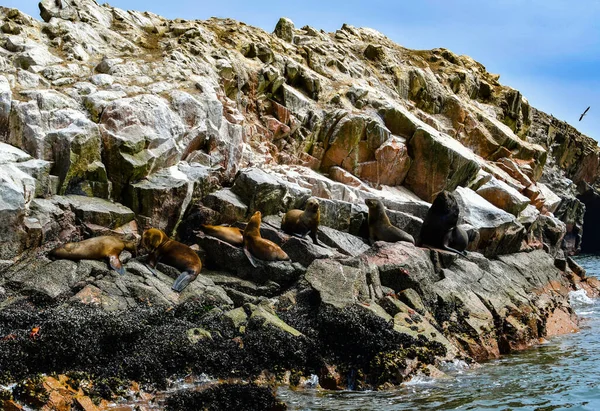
(304, 252)
(228, 396)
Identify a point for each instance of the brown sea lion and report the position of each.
(231, 235)
(303, 222)
(380, 228)
(440, 230)
(162, 249)
(255, 245)
(96, 248)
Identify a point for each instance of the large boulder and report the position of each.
(140, 134)
(267, 192)
(439, 163)
(161, 199)
(499, 231)
(503, 196)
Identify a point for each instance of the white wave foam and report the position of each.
(579, 299)
(455, 366)
(420, 380)
(311, 382)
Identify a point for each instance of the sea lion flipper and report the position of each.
(250, 258)
(182, 281)
(151, 269)
(115, 264)
(464, 254)
(313, 235)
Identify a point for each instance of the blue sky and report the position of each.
(547, 49)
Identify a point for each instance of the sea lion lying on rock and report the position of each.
(163, 249)
(298, 222)
(261, 248)
(380, 228)
(96, 248)
(231, 235)
(440, 228)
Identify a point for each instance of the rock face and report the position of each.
(114, 121)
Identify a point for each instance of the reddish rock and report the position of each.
(309, 161)
(561, 322)
(503, 196)
(393, 162)
(513, 169)
(342, 176)
(439, 163)
(535, 195)
(276, 127)
(10, 405)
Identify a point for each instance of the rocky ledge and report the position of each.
(115, 121)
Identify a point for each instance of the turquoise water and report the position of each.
(563, 374)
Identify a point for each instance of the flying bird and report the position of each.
(586, 110)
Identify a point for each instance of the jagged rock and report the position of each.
(337, 284)
(229, 205)
(126, 105)
(143, 139)
(448, 162)
(345, 243)
(551, 200)
(96, 210)
(268, 193)
(285, 29)
(164, 196)
(499, 231)
(402, 266)
(139, 286)
(503, 196)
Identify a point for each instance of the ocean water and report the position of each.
(562, 374)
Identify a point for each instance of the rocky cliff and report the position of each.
(114, 121)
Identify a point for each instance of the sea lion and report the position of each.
(231, 235)
(255, 245)
(440, 228)
(380, 228)
(303, 222)
(96, 248)
(172, 253)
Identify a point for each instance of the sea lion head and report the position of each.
(374, 204)
(253, 226)
(131, 246)
(445, 204)
(153, 238)
(312, 205)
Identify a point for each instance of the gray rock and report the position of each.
(337, 284)
(228, 204)
(268, 193)
(345, 243)
(500, 232)
(47, 279)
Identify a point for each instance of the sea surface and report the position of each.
(562, 374)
